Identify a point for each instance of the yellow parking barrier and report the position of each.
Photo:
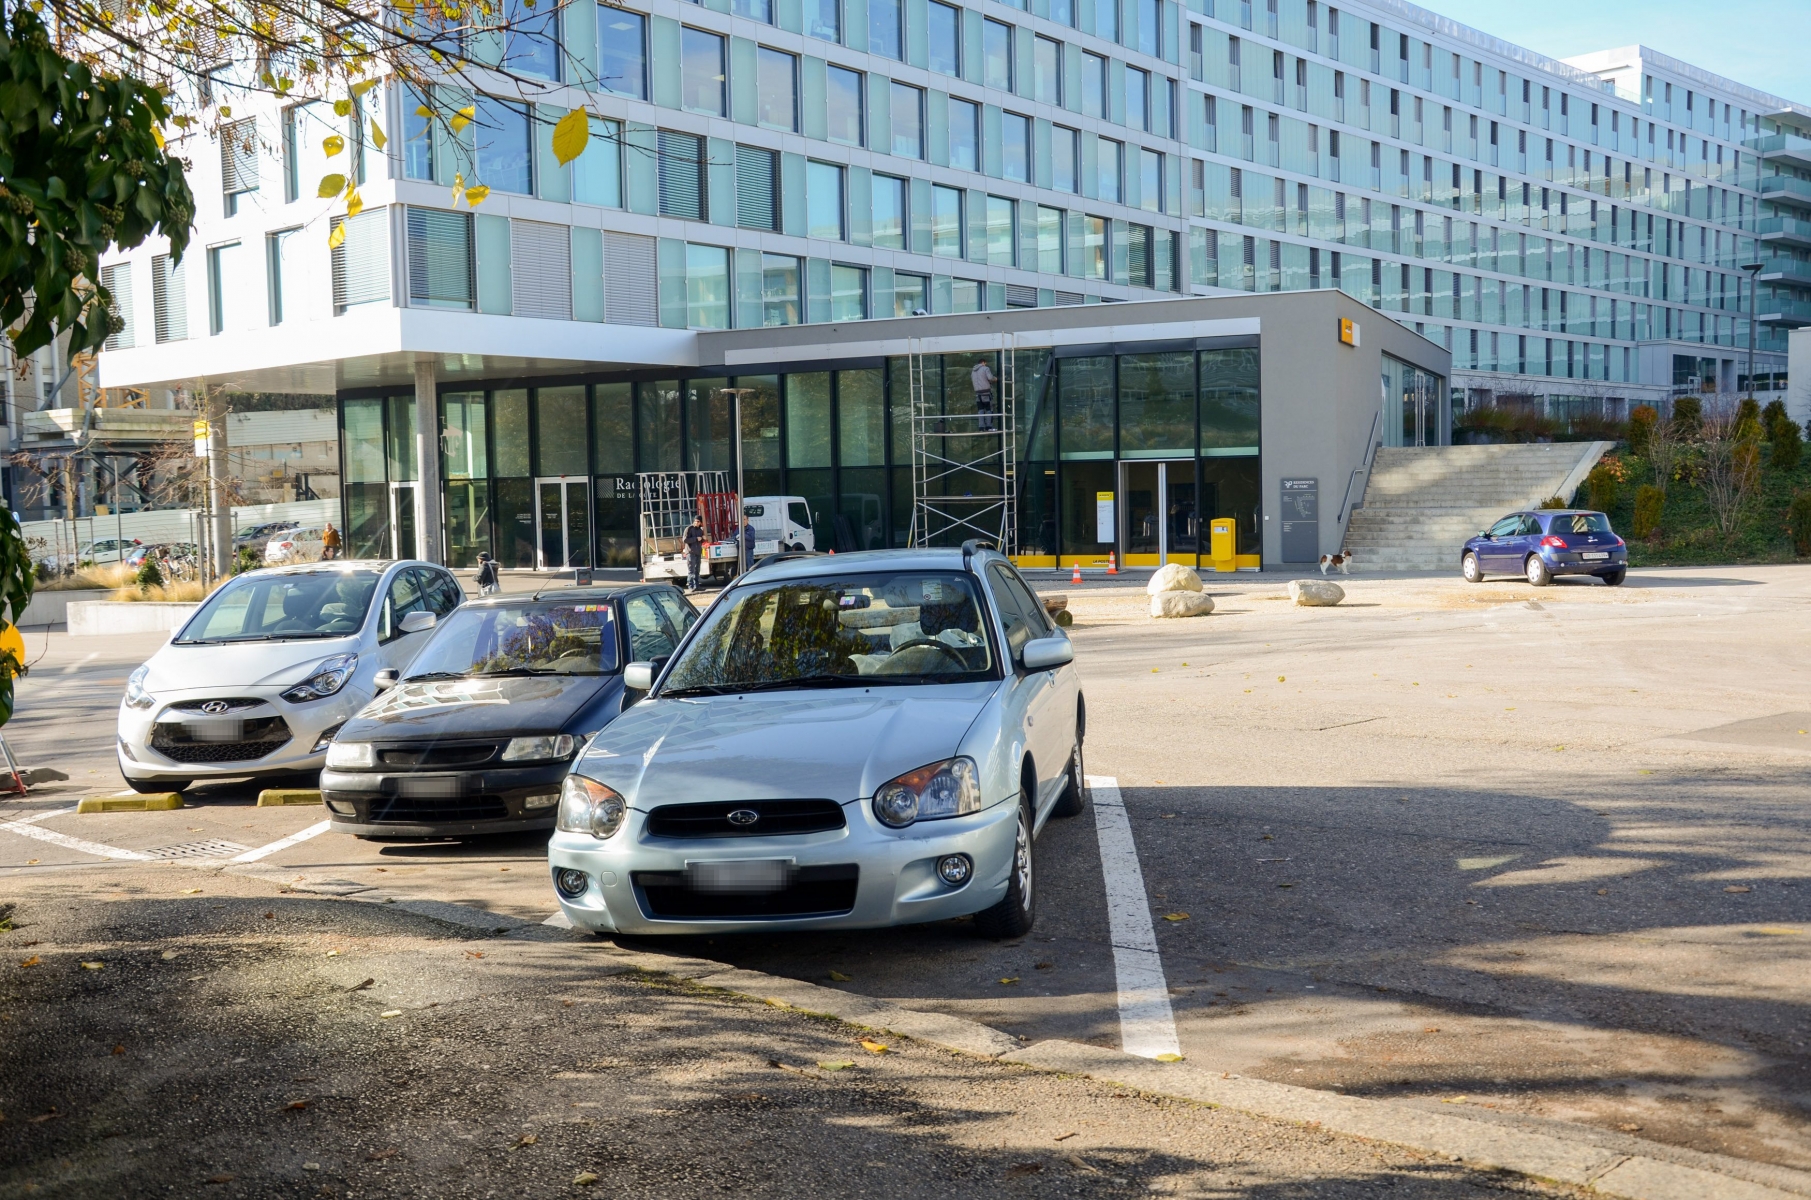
(284, 797)
(130, 802)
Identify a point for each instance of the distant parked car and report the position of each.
(1545, 543)
(260, 535)
(174, 551)
(294, 545)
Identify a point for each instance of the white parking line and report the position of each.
(27, 828)
(1147, 1027)
(294, 839)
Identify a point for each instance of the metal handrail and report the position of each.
(1371, 448)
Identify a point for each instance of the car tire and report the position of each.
(1537, 571)
(1073, 801)
(1615, 578)
(1016, 912)
(150, 786)
(1469, 567)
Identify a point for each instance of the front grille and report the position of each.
(814, 892)
(461, 754)
(233, 704)
(423, 809)
(227, 739)
(776, 818)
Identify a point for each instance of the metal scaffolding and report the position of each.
(964, 461)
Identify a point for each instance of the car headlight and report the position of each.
(587, 806)
(530, 749)
(341, 755)
(950, 788)
(136, 695)
(328, 677)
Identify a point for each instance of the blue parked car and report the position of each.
(1545, 543)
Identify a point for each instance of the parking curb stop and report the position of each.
(130, 802)
(285, 797)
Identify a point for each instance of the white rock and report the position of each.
(1315, 593)
(1181, 604)
(1173, 577)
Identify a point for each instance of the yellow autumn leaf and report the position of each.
(839, 977)
(1175, 916)
(338, 237)
(157, 136)
(1169, 1058)
(330, 186)
(33, 961)
(225, 111)
(571, 135)
(342, 108)
(395, 1012)
(476, 194)
(874, 1047)
(463, 117)
(355, 203)
(424, 112)
(377, 135)
(363, 86)
(1010, 979)
(93, 966)
(458, 188)
(333, 144)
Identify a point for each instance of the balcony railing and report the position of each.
(1786, 189)
(1791, 231)
(1788, 271)
(1790, 313)
(1782, 147)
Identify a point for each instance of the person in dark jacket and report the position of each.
(748, 544)
(694, 552)
(487, 573)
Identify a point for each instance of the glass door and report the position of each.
(1141, 503)
(402, 521)
(562, 523)
(1182, 515)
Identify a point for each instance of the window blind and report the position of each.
(239, 156)
(117, 279)
(755, 191)
(440, 258)
(169, 299)
(681, 167)
(540, 263)
(631, 280)
(361, 263)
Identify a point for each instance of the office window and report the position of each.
(1150, 17)
(1001, 238)
(883, 28)
(944, 33)
(1106, 21)
(1138, 98)
(844, 98)
(965, 135)
(284, 251)
(503, 157)
(169, 299)
(680, 167)
(946, 221)
(776, 90)
(440, 258)
(361, 262)
(701, 72)
(1063, 12)
(911, 295)
(780, 290)
(908, 120)
(996, 54)
(1094, 83)
(756, 171)
(531, 39)
(1150, 180)
(889, 192)
(226, 278)
(1050, 240)
(1139, 257)
(622, 51)
(824, 201)
(1065, 153)
(417, 140)
(848, 293)
(754, 10)
(824, 19)
(238, 160)
(1015, 147)
(1094, 247)
(1107, 159)
(706, 287)
(597, 174)
(1047, 71)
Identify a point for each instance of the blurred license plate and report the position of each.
(1595, 554)
(740, 875)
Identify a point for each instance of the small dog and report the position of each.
(1336, 562)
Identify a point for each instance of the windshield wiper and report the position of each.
(513, 671)
(435, 675)
(767, 685)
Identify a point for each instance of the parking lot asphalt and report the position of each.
(1537, 851)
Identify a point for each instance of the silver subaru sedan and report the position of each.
(843, 741)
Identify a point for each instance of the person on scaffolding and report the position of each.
(982, 377)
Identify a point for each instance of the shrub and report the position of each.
(1553, 502)
(1649, 503)
(1773, 417)
(1748, 420)
(1786, 446)
(1798, 519)
(1688, 415)
(1641, 427)
(149, 574)
(1604, 484)
(248, 559)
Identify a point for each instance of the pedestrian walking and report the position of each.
(694, 552)
(487, 574)
(748, 544)
(330, 542)
(982, 377)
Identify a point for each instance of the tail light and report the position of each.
(1553, 543)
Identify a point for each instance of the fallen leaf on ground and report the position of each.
(1169, 1057)
(220, 1179)
(1603, 891)
(359, 987)
(33, 961)
(1076, 1161)
(270, 916)
(527, 1139)
(1285, 885)
(1431, 1029)
(1063, 1137)
(381, 1155)
(333, 954)
(1175, 916)
(31, 862)
(1456, 1100)
(1736, 888)
(167, 955)
(1628, 1128)
(1166, 816)
(841, 1064)
(1027, 1168)
(874, 1047)
(474, 954)
(119, 1049)
(52, 1115)
(584, 1179)
(565, 1004)
(1010, 979)
(395, 1012)
(839, 977)
(98, 966)
(191, 891)
(298, 1105)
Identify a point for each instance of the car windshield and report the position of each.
(290, 606)
(910, 627)
(522, 639)
(1580, 523)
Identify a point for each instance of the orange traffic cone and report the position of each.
(1112, 564)
(1075, 572)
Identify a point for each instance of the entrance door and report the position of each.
(402, 521)
(1181, 514)
(1162, 521)
(562, 523)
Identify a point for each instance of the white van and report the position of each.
(780, 523)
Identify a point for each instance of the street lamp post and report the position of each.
(1754, 289)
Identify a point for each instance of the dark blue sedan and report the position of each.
(1545, 543)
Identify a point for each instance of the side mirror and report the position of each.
(1041, 654)
(416, 621)
(638, 676)
(385, 679)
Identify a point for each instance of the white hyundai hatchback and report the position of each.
(262, 676)
(865, 740)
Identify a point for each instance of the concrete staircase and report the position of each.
(1421, 503)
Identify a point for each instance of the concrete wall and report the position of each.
(126, 616)
(1798, 375)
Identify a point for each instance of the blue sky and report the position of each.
(1762, 43)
